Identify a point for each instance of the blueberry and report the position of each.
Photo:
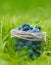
(36, 54)
(20, 28)
(38, 27)
(38, 45)
(25, 47)
(26, 28)
(21, 43)
(28, 43)
(29, 30)
(30, 51)
(34, 47)
(35, 30)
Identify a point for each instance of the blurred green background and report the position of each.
(23, 6)
(14, 13)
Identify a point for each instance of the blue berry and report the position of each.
(21, 43)
(30, 51)
(26, 28)
(29, 30)
(38, 27)
(35, 30)
(20, 28)
(25, 47)
(34, 47)
(36, 54)
(38, 45)
(28, 43)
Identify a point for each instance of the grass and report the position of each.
(7, 53)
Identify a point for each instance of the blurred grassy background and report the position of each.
(23, 6)
(14, 13)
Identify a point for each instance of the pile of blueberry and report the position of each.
(29, 28)
(32, 48)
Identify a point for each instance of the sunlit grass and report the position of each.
(7, 54)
